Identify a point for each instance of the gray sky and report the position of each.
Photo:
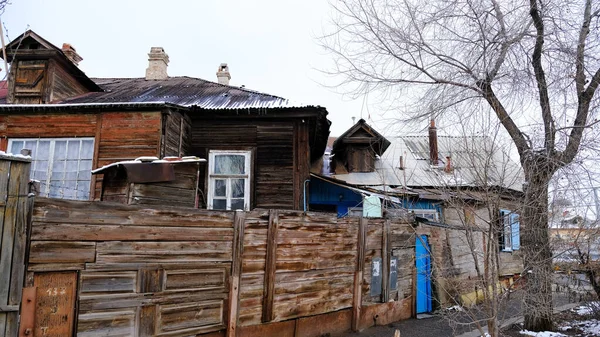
(269, 45)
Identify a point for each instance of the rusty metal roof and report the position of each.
(182, 91)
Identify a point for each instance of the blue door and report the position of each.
(423, 262)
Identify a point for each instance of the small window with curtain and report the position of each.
(61, 165)
(229, 180)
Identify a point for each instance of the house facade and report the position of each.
(258, 147)
(462, 184)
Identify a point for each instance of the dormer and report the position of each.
(356, 149)
(42, 73)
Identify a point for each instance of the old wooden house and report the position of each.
(258, 147)
(448, 182)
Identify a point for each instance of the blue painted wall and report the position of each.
(326, 193)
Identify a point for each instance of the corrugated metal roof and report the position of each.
(476, 162)
(182, 91)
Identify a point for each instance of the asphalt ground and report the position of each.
(453, 323)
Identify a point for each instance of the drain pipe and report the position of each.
(306, 181)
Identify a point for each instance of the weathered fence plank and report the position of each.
(270, 266)
(236, 270)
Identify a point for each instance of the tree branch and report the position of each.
(540, 77)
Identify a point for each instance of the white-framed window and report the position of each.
(509, 236)
(61, 165)
(229, 180)
(429, 214)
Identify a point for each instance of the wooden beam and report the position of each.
(358, 273)
(385, 260)
(97, 138)
(27, 312)
(236, 271)
(270, 266)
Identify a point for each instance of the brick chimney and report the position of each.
(433, 143)
(71, 54)
(223, 75)
(157, 64)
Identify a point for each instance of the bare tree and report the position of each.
(536, 65)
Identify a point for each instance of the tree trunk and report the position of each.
(536, 247)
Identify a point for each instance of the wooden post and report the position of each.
(385, 261)
(236, 271)
(14, 182)
(358, 273)
(27, 312)
(270, 266)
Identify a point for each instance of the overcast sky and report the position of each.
(270, 45)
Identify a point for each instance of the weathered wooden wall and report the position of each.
(281, 155)
(14, 209)
(174, 271)
(177, 132)
(118, 135)
(179, 192)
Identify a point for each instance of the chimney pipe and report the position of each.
(433, 143)
(71, 54)
(448, 167)
(223, 75)
(157, 64)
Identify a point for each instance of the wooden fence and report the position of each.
(14, 209)
(115, 270)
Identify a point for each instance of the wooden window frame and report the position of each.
(247, 177)
(51, 159)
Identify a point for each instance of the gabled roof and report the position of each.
(362, 133)
(21, 47)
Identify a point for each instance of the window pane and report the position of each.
(60, 149)
(71, 170)
(87, 149)
(85, 169)
(219, 204)
(230, 164)
(58, 170)
(237, 204)
(237, 188)
(69, 189)
(43, 150)
(220, 187)
(73, 149)
(41, 170)
(83, 190)
(55, 190)
(31, 145)
(16, 147)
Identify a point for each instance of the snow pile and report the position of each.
(583, 310)
(542, 334)
(590, 327)
(16, 156)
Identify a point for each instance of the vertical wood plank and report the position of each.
(270, 266)
(146, 322)
(93, 194)
(55, 297)
(27, 312)
(236, 270)
(358, 273)
(385, 260)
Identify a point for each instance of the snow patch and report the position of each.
(542, 333)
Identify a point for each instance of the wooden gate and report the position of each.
(15, 208)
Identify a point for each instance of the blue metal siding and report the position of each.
(325, 193)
